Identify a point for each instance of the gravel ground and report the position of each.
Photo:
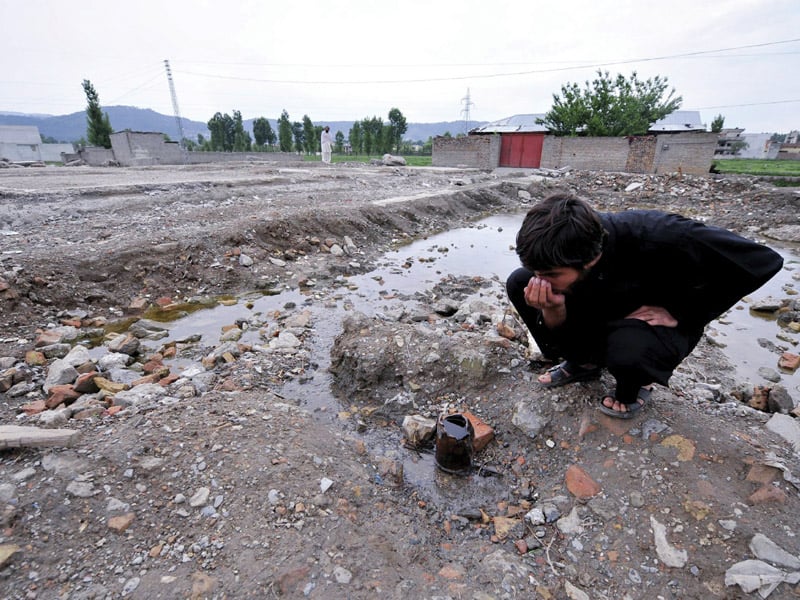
(268, 458)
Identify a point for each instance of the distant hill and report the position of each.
(72, 127)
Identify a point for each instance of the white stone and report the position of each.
(668, 554)
(786, 427)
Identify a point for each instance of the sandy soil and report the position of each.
(238, 481)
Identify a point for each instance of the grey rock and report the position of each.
(769, 374)
(765, 549)
(78, 356)
(113, 360)
(59, 373)
(779, 400)
(786, 427)
(529, 418)
(81, 489)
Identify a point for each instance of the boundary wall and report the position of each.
(472, 151)
(685, 152)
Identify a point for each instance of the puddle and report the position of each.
(485, 250)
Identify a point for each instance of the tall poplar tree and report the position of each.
(285, 132)
(98, 125)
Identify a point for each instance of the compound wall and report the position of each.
(472, 151)
(685, 152)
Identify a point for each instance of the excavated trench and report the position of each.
(484, 249)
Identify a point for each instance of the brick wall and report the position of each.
(685, 152)
(96, 156)
(472, 151)
(590, 153)
(132, 148)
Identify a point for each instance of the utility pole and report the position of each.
(467, 104)
(174, 103)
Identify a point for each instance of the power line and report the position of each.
(493, 75)
(751, 104)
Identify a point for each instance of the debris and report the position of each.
(752, 575)
(16, 436)
(668, 554)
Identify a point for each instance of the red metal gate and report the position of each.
(521, 150)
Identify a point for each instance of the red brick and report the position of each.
(767, 493)
(580, 484)
(483, 432)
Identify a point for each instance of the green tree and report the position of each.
(299, 136)
(242, 142)
(309, 139)
(372, 129)
(221, 128)
(272, 137)
(717, 123)
(261, 127)
(356, 138)
(339, 142)
(98, 125)
(398, 126)
(611, 107)
(285, 132)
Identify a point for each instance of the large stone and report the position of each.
(786, 427)
(60, 372)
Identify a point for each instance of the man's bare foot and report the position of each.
(614, 408)
(567, 372)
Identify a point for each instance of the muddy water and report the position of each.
(484, 249)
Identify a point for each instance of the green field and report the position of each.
(755, 166)
(412, 161)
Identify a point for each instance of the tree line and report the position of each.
(368, 136)
(606, 106)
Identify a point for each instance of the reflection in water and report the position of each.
(484, 250)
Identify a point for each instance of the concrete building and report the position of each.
(23, 144)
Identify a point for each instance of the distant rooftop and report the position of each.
(20, 134)
(680, 120)
(514, 124)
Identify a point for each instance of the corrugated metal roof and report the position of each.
(680, 120)
(514, 124)
(20, 134)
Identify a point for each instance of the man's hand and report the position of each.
(654, 315)
(539, 294)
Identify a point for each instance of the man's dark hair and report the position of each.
(560, 231)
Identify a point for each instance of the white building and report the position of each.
(22, 143)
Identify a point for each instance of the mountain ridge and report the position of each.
(72, 127)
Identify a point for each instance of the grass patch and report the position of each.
(757, 166)
(411, 161)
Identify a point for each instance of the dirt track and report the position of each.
(219, 486)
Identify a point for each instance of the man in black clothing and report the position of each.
(629, 291)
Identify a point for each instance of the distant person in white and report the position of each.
(326, 144)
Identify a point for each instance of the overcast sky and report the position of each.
(352, 59)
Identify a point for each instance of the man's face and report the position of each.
(562, 279)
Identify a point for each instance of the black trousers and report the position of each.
(634, 352)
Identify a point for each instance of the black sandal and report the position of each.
(568, 372)
(631, 409)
